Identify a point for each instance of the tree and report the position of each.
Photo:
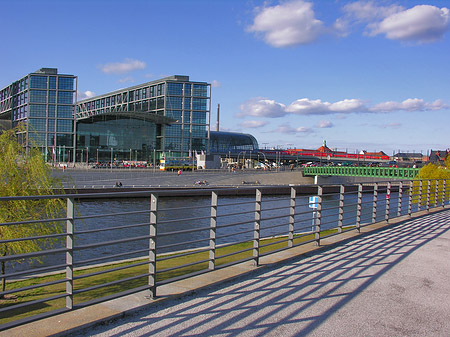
(23, 172)
(429, 173)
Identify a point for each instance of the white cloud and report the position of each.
(216, 84)
(262, 107)
(253, 124)
(410, 104)
(369, 11)
(422, 23)
(288, 24)
(127, 79)
(287, 129)
(124, 67)
(324, 124)
(85, 94)
(305, 106)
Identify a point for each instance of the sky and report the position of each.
(362, 75)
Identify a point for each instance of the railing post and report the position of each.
(359, 208)
(428, 194)
(341, 208)
(419, 200)
(388, 201)
(410, 199)
(292, 217)
(443, 193)
(256, 231)
(69, 253)
(318, 214)
(212, 232)
(436, 193)
(374, 202)
(152, 245)
(400, 196)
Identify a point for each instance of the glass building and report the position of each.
(44, 101)
(169, 117)
(232, 142)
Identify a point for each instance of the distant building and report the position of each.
(438, 157)
(408, 157)
(43, 100)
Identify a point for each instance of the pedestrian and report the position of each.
(179, 172)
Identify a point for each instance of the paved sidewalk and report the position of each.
(389, 282)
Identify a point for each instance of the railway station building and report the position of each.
(165, 118)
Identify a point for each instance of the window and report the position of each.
(64, 125)
(38, 96)
(37, 124)
(52, 96)
(65, 83)
(65, 97)
(65, 111)
(200, 90)
(38, 82)
(52, 82)
(38, 110)
(175, 89)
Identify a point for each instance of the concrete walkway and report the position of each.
(390, 281)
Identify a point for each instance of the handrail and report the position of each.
(232, 239)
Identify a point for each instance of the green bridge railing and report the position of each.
(381, 172)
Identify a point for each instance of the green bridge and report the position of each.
(381, 172)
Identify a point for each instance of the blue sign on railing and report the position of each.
(313, 201)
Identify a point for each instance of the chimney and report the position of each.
(218, 113)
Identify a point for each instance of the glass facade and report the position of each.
(225, 142)
(44, 101)
(171, 115)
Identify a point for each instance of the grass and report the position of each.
(222, 257)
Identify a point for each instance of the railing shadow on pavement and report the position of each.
(302, 294)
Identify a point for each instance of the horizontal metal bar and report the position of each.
(29, 222)
(98, 230)
(112, 242)
(31, 303)
(103, 285)
(33, 254)
(128, 266)
(176, 255)
(182, 243)
(106, 215)
(34, 286)
(164, 222)
(33, 272)
(181, 266)
(97, 259)
(185, 231)
(34, 238)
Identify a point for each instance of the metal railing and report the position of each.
(107, 248)
(363, 171)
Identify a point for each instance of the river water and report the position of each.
(180, 214)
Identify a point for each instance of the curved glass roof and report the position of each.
(225, 142)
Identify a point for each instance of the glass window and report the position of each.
(38, 110)
(38, 82)
(51, 111)
(37, 124)
(64, 125)
(175, 89)
(200, 90)
(173, 102)
(65, 97)
(65, 83)
(187, 89)
(199, 103)
(66, 140)
(65, 111)
(51, 125)
(187, 104)
(52, 96)
(160, 103)
(38, 96)
(52, 82)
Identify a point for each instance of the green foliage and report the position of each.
(23, 172)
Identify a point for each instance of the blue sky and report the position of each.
(362, 75)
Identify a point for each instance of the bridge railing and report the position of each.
(107, 248)
(362, 171)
